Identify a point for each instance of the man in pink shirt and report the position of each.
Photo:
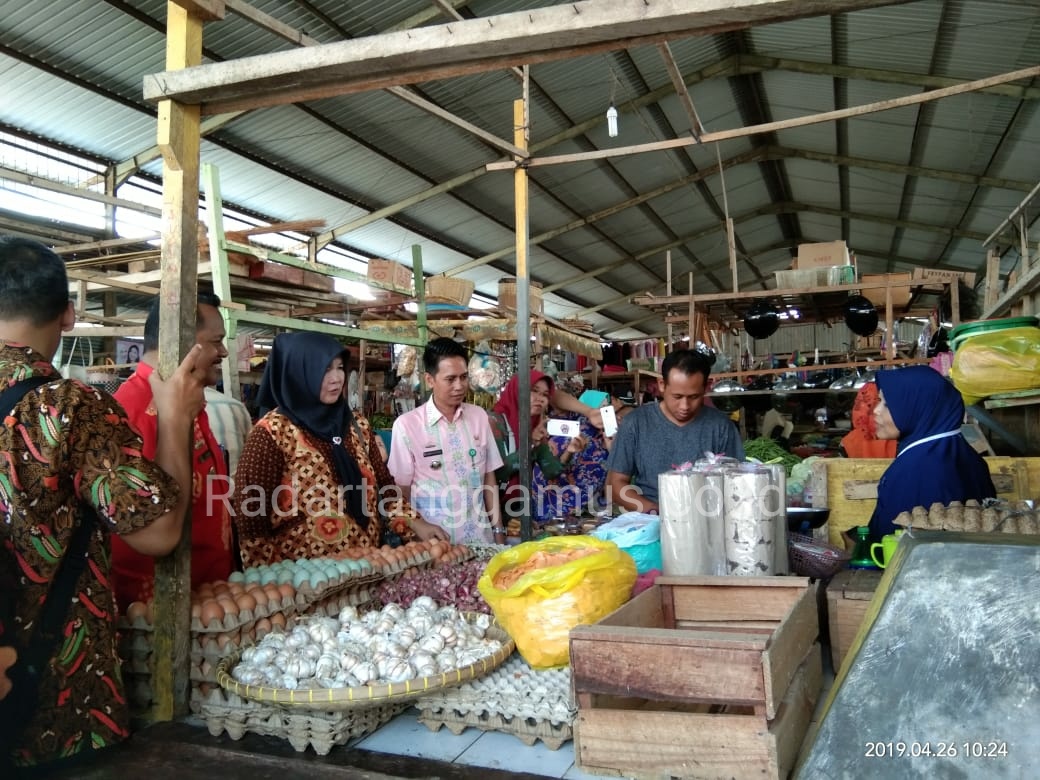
(443, 456)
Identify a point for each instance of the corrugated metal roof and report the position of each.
(338, 158)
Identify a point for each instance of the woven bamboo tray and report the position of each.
(335, 699)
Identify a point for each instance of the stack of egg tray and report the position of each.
(223, 711)
(208, 645)
(515, 699)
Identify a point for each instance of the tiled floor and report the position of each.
(405, 735)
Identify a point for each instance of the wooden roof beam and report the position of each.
(755, 63)
(471, 46)
(670, 65)
(715, 70)
(783, 124)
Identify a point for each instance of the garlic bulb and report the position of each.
(322, 629)
(421, 623)
(448, 634)
(426, 603)
(348, 614)
(348, 660)
(405, 634)
(384, 626)
(366, 672)
(289, 682)
(326, 666)
(432, 643)
(393, 611)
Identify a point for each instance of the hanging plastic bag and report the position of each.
(637, 534)
(1002, 361)
(78, 371)
(544, 603)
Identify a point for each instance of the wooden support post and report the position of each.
(218, 260)
(178, 140)
(523, 307)
(955, 302)
(993, 286)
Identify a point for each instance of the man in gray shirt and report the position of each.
(660, 436)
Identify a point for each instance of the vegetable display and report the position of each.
(766, 450)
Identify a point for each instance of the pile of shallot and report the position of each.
(389, 646)
(454, 584)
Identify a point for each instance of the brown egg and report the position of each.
(262, 628)
(205, 592)
(135, 610)
(229, 605)
(220, 587)
(287, 590)
(211, 612)
(274, 596)
(277, 620)
(236, 588)
(258, 593)
(245, 602)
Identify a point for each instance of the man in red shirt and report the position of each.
(211, 554)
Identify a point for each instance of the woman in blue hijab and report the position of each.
(934, 463)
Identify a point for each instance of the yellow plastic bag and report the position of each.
(542, 606)
(1003, 361)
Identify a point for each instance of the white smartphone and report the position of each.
(562, 428)
(609, 420)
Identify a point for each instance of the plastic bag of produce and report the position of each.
(540, 590)
(1002, 361)
(637, 534)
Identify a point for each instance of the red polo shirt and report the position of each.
(211, 557)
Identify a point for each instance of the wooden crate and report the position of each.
(848, 486)
(848, 596)
(698, 677)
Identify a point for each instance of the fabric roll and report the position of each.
(778, 507)
(682, 542)
(709, 513)
(749, 526)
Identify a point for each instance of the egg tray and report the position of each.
(470, 555)
(330, 606)
(516, 699)
(392, 571)
(230, 623)
(227, 712)
(527, 730)
(308, 599)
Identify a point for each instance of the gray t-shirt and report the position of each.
(649, 444)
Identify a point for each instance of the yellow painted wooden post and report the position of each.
(178, 141)
(523, 309)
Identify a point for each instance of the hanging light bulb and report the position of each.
(612, 116)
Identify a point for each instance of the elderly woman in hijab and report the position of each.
(862, 441)
(309, 478)
(505, 427)
(923, 411)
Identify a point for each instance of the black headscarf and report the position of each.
(292, 384)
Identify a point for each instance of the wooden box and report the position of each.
(276, 272)
(391, 274)
(848, 596)
(698, 677)
(899, 286)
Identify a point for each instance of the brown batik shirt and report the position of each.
(64, 445)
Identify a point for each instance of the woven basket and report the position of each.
(449, 289)
(335, 699)
(812, 558)
(507, 294)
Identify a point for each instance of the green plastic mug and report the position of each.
(888, 546)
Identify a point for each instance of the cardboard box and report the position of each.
(391, 274)
(698, 676)
(822, 255)
(876, 295)
(942, 276)
(848, 596)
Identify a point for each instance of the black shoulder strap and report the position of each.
(34, 657)
(10, 397)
